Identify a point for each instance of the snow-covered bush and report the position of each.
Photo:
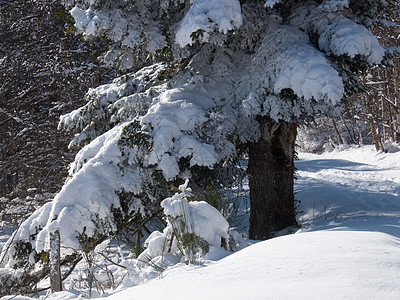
(194, 228)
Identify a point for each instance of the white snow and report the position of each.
(286, 60)
(271, 3)
(349, 247)
(315, 265)
(334, 5)
(186, 217)
(337, 34)
(208, 222)
(204, 16)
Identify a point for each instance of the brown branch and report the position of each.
(109, 260)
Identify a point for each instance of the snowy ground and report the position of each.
(348, 247)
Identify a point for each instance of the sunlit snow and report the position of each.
(348, 246)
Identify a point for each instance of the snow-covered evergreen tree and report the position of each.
(215, 77)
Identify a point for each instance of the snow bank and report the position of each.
(316, 265)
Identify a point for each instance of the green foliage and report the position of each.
(213, 196)
(288, 95)
(68, 20)
(197, 35)
(173, 69)
(103, 229)
(165, 52)
(22, 253)
(132, 135)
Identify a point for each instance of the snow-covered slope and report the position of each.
(349, 247)
(352, 189)
(314, 265)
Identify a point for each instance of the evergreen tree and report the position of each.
(215, 79)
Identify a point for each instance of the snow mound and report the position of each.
(315, 265)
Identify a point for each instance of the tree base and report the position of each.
(271, 169)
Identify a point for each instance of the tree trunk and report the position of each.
(337, 132)
(271, 170)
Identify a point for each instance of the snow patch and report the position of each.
(204, 16)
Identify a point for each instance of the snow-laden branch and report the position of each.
(90, 192)
(286, 60)
(120, 25)
(125, 98)
(334, 5)
(337, 34)
(205, 16)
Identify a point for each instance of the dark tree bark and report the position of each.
(271, 170)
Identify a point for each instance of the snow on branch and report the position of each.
(90, 193)
(286, 60)
(172, 124)
(204, 16)
(131, 25)
(271, 3)
(337, 34)
(126, 97)
(334, 5)
(194, 228)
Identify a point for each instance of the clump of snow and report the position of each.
(337, 34)
(118, 24)
(204, 16)
(89, 21)
(334, 5)
(208, 222)
(271, 3)
(391, 147)
(286, 60)
(170, 121)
